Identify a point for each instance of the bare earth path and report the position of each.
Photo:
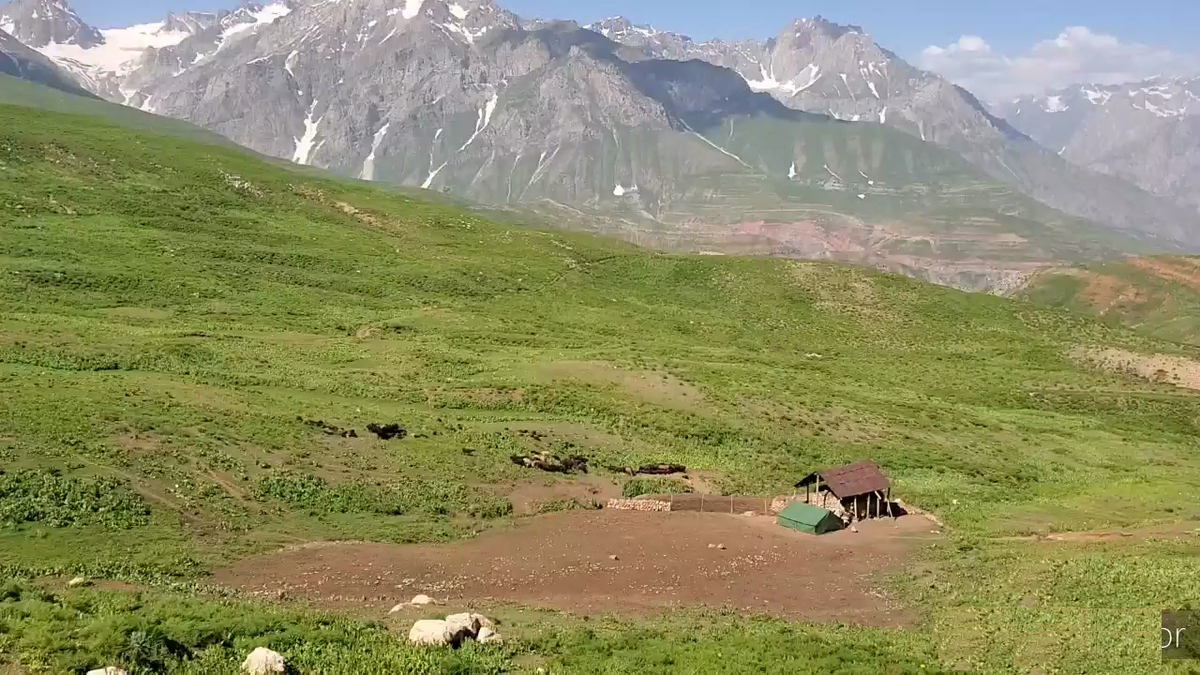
(563, 561)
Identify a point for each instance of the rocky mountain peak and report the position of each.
(827, 28)
(621, 29)
(192, 22)
(38, 23)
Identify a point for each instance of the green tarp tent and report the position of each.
(808, 518)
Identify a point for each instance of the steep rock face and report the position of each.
(38, 23)
(1146, 132)
(20, 61)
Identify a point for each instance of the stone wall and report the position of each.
(638, 505)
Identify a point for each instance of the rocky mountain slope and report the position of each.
(1157, 295)
(20, 61)
(1147, 133)
(608, 134)
(818, 66)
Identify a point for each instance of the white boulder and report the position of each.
(486, 635)
(78, 581)
(421, 600)
(107, 670)
(262, 661)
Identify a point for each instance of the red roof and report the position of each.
(850, 481)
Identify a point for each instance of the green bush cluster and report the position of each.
(395, 498)
(46, 496)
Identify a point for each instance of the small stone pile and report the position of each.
(638, 505)
(778, 504)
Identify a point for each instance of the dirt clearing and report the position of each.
(654, 387)
(1177, 370)
(564, 561)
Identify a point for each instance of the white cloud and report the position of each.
(1077, 55)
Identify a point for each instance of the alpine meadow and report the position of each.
(362, 337)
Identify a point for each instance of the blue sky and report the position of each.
(996, 49)
(906, 27)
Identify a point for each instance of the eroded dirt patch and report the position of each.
(1178, 370)
(1183, 271)
(562, 561)
(535, 497)
(650, 386)
(1169, 531)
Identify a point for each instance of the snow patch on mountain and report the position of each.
(368, 168)
(1054, 104)
(266, 15)
(410, 10)
(305, 144)
(485, 119)
(120, 50)
(807, 78)
(1096, 97)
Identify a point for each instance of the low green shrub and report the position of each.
(48, 497)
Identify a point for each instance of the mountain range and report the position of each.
(816, 143)
(1147, 133)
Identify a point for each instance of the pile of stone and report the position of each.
(454, 630)
(638, 505)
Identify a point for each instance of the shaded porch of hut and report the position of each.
(857, 491)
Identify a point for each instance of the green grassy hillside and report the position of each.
(19, 92)
(173, 315)
(1159, 296)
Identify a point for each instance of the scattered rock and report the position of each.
(551, 464)
(712, 545)
(262, 661)
(613, 557)
(107, 670)
(77, 582)
(649, 469)
(421, 599)
(853, 529)
(721, 547)
(750, 514)
(487, 635)
(387, 432)
(431, 632)
(330, 429)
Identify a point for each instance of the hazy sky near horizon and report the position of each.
(998, 49)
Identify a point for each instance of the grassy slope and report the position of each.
(1158, 296)
(169, 310)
